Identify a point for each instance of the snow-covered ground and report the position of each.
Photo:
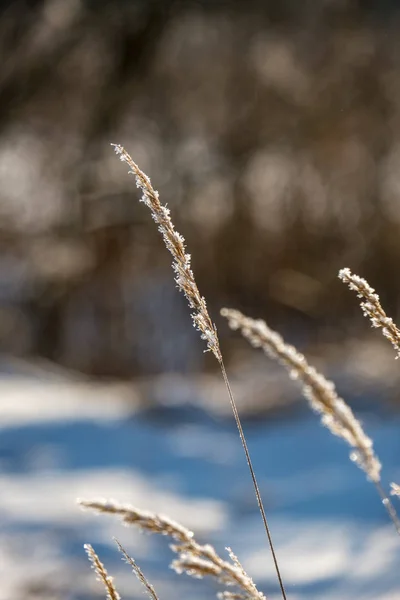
(60, 440)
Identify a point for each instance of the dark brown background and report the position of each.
(271, 129)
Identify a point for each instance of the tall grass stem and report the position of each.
(253, 476)
(185, 280)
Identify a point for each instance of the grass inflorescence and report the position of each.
(202, 560)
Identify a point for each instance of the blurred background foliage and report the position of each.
(272, 131)
(271, 128)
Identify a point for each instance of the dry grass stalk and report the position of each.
(322, 396)
(201, 319)
(195, 559)
(372, 308)
(321, 393)
(102, 574)
(138, 572)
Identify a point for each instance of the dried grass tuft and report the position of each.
(194, 559)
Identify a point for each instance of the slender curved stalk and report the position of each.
(321, 394)
(372, 309)
(186, 282)
(253, 476)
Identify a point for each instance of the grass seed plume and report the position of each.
(176, 245)
(320, 393)
(372, 308)
(186, 283)
(194, 559)
(102, 574)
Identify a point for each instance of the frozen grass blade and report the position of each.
(185, 281)
(102, 574)
(321, 394)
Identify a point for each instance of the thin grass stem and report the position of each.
(253, 477)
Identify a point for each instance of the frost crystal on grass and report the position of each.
(321, 393)
(395, 489)
(372, 308)
(176, 245)
(102, 574)
(194, 559)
